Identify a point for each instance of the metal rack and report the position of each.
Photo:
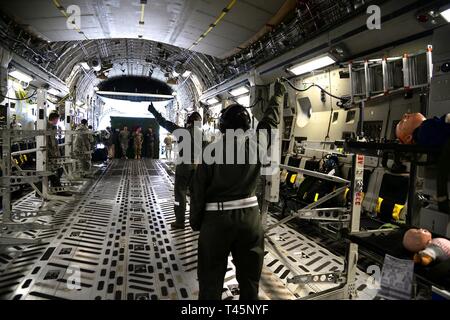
(13, 176)
(10, 182)
(346, 216)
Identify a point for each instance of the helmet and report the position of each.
(234, 117)
(193, 117)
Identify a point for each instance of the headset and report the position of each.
(234, 117)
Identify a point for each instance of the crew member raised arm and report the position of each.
(224, 207)
(185, 169)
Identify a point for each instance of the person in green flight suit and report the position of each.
(184, 170)
(225, 210)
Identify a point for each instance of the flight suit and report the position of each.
(238, 231)
(183, 171)
(150, 143)
(168, 142)
(138, 140)
(53, 153)
(124, 137)
(82, 146)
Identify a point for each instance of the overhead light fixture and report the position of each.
(186, 74)
(96, 88)
(244, 101)
(21, 76)
(53, 92)
(239, 91)
(445, 13)
(311, 65)
(174, 93)
(143, 3)
(85, 65)
(394, 58)
(212, 101)
(175, 74)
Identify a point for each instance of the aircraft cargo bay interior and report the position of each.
(224, 150)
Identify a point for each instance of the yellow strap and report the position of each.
(293, 178)
(397, 210)
(61, 8)
(378, 206)
(316, 197)
(346, 193)
(214, 24)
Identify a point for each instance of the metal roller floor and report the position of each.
(114, 242)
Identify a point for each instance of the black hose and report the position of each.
(342, 100)
(23, 99)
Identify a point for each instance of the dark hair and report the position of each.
(52, 116)
(84, 121)
(194, 116)
(234, 117)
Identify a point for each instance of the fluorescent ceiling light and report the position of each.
(244, 101)
(186, 74)
(212, 101)
(85, 65)
(311, 65)
(135, 97)
(394, 58)
(21, 76)
(446, 14)
(239, 91)
(53, 92)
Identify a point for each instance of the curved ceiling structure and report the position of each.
(132, 57)
(83, 64)
(176, 22)
(152, 38)
(133, 38)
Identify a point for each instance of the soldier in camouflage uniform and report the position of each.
(82, 146)
(138, 140)
(53, 150)
(124, 138)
